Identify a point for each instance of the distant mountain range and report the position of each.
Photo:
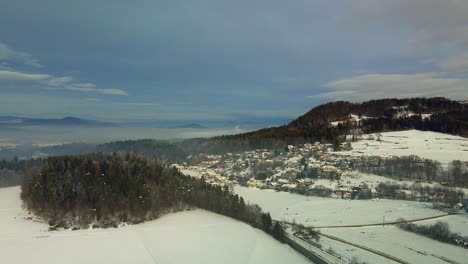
(245, 123)
(67, 121)
(192, 125)
(10, 122)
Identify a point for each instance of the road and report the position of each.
(386, 223)
(377, 252)
(380, 253)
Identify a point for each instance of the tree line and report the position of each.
(439, 231)
(414, 168)
(12, 171)
(450, 123)
(108, 189)
(426, 193)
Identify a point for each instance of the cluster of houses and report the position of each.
(305, 169)
(310, 169)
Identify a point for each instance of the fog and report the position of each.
(55, 135)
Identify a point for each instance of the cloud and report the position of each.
(111, 91)
(54, 82)
(373, 86)
(432, 21)
(457, 63)
(91, 88)
(58, 83)
(19, 76)
(6, 53)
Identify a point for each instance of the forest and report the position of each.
(164, 152)
(104, 190)
(12, 171)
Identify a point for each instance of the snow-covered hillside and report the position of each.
(187, 237)
(430, 145)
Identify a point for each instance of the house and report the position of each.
(331, 172)
(343, 193)
(252, 184)
(404, 194)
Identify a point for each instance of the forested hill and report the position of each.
(105, 190)
(332, 121)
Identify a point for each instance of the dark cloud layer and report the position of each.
(234, 59)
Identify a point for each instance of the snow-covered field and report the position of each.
(373, 180)
(404, 245)
(317, 211)
(348, 252)
(187, 237)
(430, 145)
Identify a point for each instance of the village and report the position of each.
(309, 169)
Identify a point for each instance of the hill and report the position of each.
(191, 125)
(66, 121)
(333, 121)
(106, 190)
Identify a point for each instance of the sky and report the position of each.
(220, 61)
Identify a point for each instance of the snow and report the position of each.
(404, 245)
(325, 183)
(348, 252)
(323, 212)
(457, 223)
(192, 173)
(317, 211)
(335, 123)
(430, 145)
(195, 236)
(426, 116)
(372, 181)
(356, 118)
(294, 160)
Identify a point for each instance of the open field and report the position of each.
(389, 239)
(425, 144)
(317, 211)
(407, 246)
(372, 180)
(194, 236)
